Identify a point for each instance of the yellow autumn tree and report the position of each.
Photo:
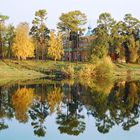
(23, 46)
(21, 101)
(54, 99)
(55, 50)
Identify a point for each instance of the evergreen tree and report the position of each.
(3, 18)
(40, 33)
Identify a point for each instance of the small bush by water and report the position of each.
(104, 67)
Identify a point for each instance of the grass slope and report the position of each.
(32, 68)
(8, 73)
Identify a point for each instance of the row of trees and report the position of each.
(118, 39)
(38, 41)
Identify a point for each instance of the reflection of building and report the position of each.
(78, 49)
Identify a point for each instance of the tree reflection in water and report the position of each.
(120, 107)
(71, 121)
(6, 111)
(39, 111)
(21, 101)
(110, 103)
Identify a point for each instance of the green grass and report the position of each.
(8, 73)
(48, 65)
(45, 67)
(31, 68)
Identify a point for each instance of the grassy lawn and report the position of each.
(43, 66)
(58, 65)
(47, 65)
(12, 73)
(31, 69)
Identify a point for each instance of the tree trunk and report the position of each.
(9, 55)
(42, 51)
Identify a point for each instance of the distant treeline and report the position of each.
(118, 39)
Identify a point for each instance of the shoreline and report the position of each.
(30, 69)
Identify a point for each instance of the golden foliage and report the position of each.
(87, 70)
(23, 46)
(54, 99)
(21, 101)
(55, 49)
(69, 70)
(104, 67)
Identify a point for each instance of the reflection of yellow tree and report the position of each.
(54, 99)
(21, 100)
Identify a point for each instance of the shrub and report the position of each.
(68, 71)
(87, 70)
(105, 67)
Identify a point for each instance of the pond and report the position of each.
(69, 110)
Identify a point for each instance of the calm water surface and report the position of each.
(68, 110)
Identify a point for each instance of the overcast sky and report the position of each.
(23, 10)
